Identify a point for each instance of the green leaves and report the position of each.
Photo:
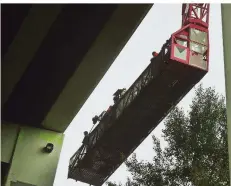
(197, 151)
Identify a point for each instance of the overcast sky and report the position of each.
(161, 21)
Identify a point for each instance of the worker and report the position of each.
(96, 118)
(123, 92)
(117, 95)
(109, 109)
(154, 54)
(86, 139)
(165, 51)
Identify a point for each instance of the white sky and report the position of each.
(161, 21)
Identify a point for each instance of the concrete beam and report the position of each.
(30, 165)
(9, 135)
(100, 56)
(31, 34)
(226, 27)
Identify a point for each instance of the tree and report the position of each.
(197, 151)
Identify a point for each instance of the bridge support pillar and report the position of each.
(226, 25)
(26, 160)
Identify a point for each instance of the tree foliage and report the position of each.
(197, 151)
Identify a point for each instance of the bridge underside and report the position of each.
(53, 56)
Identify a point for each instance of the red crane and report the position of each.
(182, 62)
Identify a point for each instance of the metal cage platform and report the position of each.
(144, 105)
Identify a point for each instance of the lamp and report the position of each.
(49, 148)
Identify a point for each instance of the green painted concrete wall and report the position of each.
(9, 133)
(226, 26)
(30, 164)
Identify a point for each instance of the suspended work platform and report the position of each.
(182, 63)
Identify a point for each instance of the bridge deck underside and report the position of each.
(168, 85)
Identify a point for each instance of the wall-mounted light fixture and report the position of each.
(49, 148)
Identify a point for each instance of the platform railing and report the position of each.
(130, 95)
